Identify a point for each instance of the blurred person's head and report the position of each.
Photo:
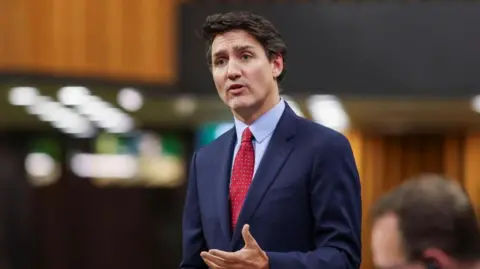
(427, 222)
(247, 56)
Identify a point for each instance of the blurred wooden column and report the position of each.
(372, 188)
(356, 142)
(472, 167)
(453, 157)
(107, 38)
(369, 156)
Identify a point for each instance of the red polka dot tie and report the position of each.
(242, 175)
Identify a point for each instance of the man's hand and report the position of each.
(249, 257)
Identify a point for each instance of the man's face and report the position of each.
(387, 246)
(243, 75)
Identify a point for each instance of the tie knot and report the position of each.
(247, 135)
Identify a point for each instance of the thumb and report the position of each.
(248, 238)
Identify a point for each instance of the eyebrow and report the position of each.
(235, 48)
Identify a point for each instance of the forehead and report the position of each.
(234, 40)
(387, 246)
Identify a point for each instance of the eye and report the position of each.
(220, 61)
(246, 56)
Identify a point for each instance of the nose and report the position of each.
(234, 71)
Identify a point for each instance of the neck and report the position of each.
(251, 114)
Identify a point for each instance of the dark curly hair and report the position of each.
(257, 26)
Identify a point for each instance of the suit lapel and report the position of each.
(278, 150)
(223, 179)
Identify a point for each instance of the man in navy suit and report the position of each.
(276, 191)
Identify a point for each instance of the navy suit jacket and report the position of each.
(303, 206)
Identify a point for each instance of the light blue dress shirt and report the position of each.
(262, 130)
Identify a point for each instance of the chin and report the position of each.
(240, 102)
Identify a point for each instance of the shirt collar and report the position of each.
(264, 125)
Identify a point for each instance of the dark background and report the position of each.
(74, 224)
(358, 49)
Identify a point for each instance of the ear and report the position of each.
(277, 65)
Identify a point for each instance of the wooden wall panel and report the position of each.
(5, 4)
(374, 168)
(111, 38)
(472, 168)
(356, 142)
(11, 27)
(386, 161)
(453, 157)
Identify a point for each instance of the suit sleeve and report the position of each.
(335, 201)
(193, 241)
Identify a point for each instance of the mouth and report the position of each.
(236, 89)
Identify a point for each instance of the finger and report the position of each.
(248, 238)
(211, 265)
(228, 257)
(213, 261)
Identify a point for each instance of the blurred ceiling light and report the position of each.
(328, 111)
(38, 106)
(73, 95)
(39, 164)
(105, 116)
(72, 123)
(294, 105)
(22, 96)
(59, 116)
(78, 125)
(130, 99)
(109, 117)
(476, 103)
(92, 106)
(66, 117)
(50, 111)
(98, 111)
(115, 121)
(121, 124)
(185, 105)
(88, 132)
(104, 166)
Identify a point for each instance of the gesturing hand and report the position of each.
(251, 256)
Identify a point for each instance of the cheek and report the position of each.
(219, 82)
(260, 77)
